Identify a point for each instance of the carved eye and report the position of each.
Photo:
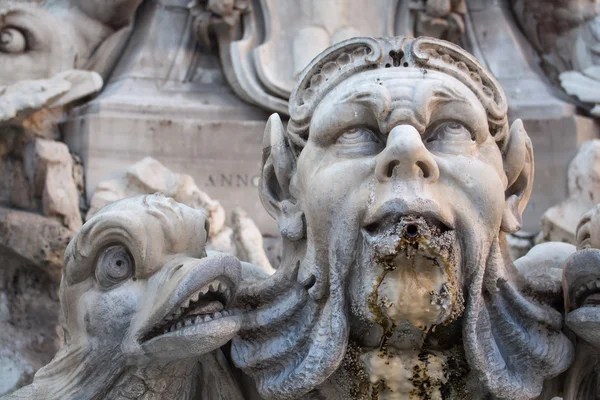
(450, 131)
(356, 136)
(114, 265)
(12, 41)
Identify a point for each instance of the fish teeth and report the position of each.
(213, 286)
(186, 304)
(204, 290)
(218, 315)
(207, 318)
(188, 322)
(222, 287)
(591, 285)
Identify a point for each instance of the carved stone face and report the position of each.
(394, 158)
(392, 186)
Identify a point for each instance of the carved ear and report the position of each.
(518, 166)
(278, 163)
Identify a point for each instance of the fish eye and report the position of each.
(114, 265)
(12, 41)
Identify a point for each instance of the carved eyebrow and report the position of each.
(444, 94)
(375, 97)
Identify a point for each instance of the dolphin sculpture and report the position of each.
(141, 302)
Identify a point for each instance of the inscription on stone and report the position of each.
(232, 180)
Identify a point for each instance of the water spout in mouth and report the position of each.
(420, 275)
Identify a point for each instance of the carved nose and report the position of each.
(405, 157)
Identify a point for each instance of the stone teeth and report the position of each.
(591, 285)
(204, 290)
(222, 287)
(185, 304)
(225, 313)
(195, 296)
(188, 322)
(213, 286)
(218, 315)
(207, 318)
(179, 325)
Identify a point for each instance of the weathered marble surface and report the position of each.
(141, 304)
(393, 185)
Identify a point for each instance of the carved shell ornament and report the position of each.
(355, 55)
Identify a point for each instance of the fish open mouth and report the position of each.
(587, 294)
(204, 306)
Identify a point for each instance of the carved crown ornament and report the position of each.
(360, 54)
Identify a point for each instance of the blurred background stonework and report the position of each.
(101, 101)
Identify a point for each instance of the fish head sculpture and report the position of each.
(581, 280)
(139, 283)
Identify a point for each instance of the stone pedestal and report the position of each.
(555, 128)
(168, 99)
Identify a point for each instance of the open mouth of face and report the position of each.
(203, 307)
(389, 236)
(418, 256)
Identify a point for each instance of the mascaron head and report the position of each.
(392, 186)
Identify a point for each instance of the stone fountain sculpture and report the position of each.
(141, 303)
(394, 185)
